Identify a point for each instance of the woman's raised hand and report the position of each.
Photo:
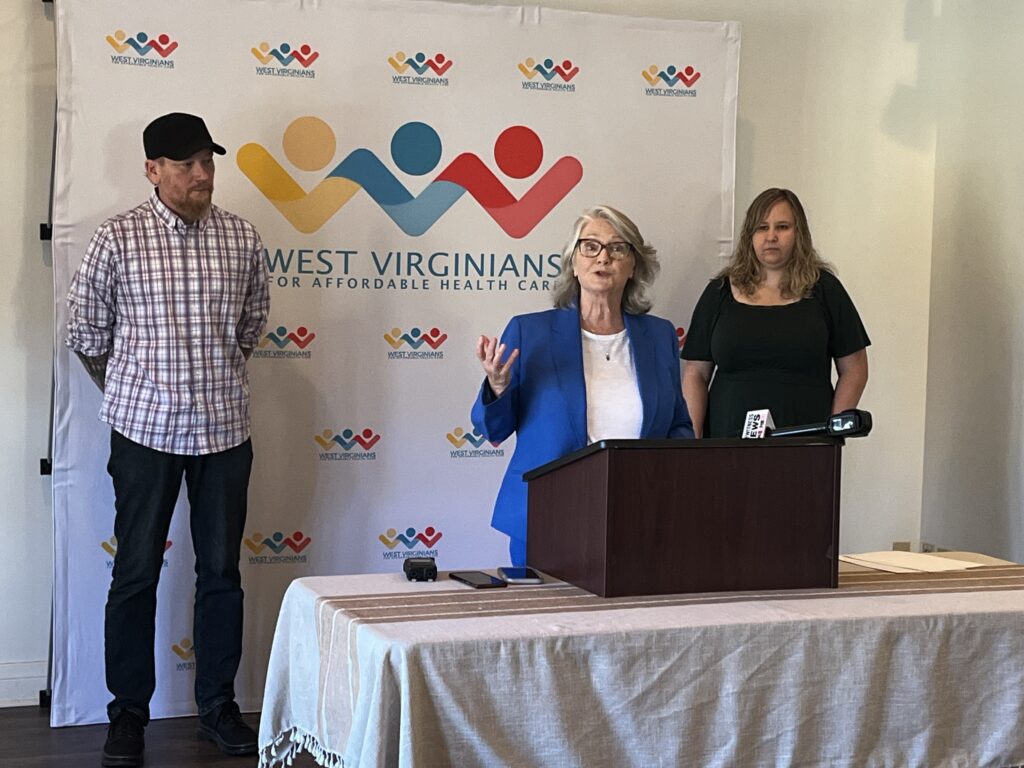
(490, 353)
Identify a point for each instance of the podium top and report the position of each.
(676, 443)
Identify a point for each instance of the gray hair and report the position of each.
(636, 297)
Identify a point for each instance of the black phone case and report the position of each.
(494, 582)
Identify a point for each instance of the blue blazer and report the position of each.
(546, 401)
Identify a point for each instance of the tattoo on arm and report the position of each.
(96, 367)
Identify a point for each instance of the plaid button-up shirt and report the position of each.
(174, 306)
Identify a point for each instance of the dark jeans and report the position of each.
(146, 487)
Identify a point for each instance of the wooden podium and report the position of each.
(653, 517)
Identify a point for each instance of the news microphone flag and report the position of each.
(758, 423)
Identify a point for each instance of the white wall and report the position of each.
(973, 482)
(830, 106)
(27, 94)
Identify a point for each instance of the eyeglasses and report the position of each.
(591, 249)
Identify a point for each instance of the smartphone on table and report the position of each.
(519, 575)
(477, 579)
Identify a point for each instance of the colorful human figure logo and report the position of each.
(420, 64)
(110, 546)
(410, 538)
(301, 337)
(310, 144)
(681, 339)
(459, 437)
(415, 338)
(548, 69)
(655, 76)
(284, 54)
(518, 152)
(688, 76)
(142, 43)
(347, 440)
(183, 649)
(366, 439)
(277, 542)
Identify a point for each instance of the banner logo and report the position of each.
(310, 145)
(541, 77)
(470, 445)
(277, 548)
(133, 51)
(414, 340)
(663, 82)
(279, 343)
(185, 651)
(355, 446)
(110, 547)
(419, 70)
(276, 62)
(681, 339)
(415, 544)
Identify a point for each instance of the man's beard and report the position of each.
(197, 204)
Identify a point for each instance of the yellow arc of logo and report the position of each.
(306, 211)
(458, 442)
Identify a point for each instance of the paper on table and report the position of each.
(907, 562)
(875, 566)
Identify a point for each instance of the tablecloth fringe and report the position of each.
(286, 746)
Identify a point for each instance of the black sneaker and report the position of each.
(125, 740)
(225, 728)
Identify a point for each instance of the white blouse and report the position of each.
(614, 407)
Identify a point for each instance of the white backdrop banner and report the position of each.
(414, 169)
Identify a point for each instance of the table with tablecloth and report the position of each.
(886, 670)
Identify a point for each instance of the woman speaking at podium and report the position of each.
(595, 367)
(769, 327)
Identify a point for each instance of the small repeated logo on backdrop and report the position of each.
(419, 70)
(415, 345)
(681, 339)
(281, 342)
(670, 81)
(410, 543)
(186, 654)
(353, 445)
(135, 50)
(310, 145)
(110, 547)
(470, 445)
(277, 62)
(277, 549)
(547, 75)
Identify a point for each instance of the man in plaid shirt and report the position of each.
(166, 308)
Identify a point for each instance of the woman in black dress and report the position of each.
(767, 328)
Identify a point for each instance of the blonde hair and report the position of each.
(805, 266)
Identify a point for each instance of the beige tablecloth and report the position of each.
(888, 670)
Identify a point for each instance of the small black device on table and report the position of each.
(515, 575)
(477, 579)
(420, 568)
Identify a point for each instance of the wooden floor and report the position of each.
(28, 741)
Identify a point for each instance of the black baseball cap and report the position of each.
(177, 136)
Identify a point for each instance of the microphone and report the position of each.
(849, 423)
(758, 424)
